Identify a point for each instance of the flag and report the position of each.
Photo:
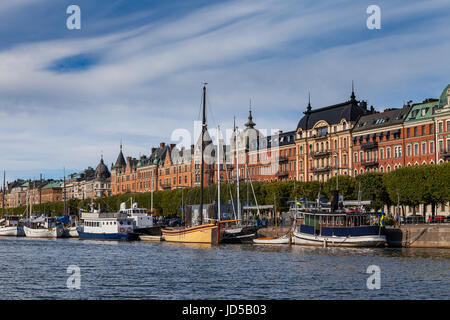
(300, 204)
(382, 218)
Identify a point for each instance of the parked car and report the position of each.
(447, 219)
(415, 218)
(436, 219)
(174, 222)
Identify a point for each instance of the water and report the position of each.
(37, 269)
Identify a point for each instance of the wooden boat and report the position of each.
(202, 233)
(43, 227)
(286, 239)
(11, 227)
(205, 233)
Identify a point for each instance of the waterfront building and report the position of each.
(377, 141)
(442, 125)
(419, 134)
(52, 191)
(323, 140)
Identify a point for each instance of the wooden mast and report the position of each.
(202, 149)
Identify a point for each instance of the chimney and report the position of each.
(153, 150)
(162, 144)
(372, 109)
(172, 145)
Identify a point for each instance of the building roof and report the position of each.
(53, 185)
(422, 111)
(384, 119)
(120, 162)
(349, 110)
(102, 172)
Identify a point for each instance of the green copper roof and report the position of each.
(422, 111)
(53, 185)
(443, 98)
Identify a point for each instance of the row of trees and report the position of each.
(411, 186)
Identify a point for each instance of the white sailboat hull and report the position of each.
(56, 232)
(71, 232)
(317, 240)
(12, 231)
(281, 240)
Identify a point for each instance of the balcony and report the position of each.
(320, 154)
(320, 136)
(369, 163)
(445, 155)
(321, 169)
(369, 145)
(166, 186)
(282, 159)
(281, 174)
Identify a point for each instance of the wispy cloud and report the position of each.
(66, 98)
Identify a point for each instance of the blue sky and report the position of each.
(135, 70)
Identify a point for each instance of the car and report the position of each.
(174, 222)
(415, 218)
(447, 219)
(436, 219)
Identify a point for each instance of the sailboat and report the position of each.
(285, 239)
(201, 233)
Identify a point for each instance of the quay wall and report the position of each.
(419, 236)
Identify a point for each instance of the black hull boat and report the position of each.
(238, 235)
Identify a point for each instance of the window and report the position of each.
(424, 148)
(441, 146)
(415, 132)
(388, 153)
(381, 154)
(431, 146)
(408, 132)
(355, 155)
(335, 144)
(430, 129)
(408, 150)
(345, 142)
(416, 149)
(440, 127)
(423, 130)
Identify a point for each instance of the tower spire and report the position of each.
(309, 102)
(352, 97)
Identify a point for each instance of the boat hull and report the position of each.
(335, 241)
(71, 232)
(282, 240)
(56, 232)
(238, 235)
(12, 231)
(199, 234)
(107, 236)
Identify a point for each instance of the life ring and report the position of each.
(129, 229)
(121, 229)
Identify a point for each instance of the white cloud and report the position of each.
(148, 81)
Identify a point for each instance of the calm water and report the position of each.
(37, 269)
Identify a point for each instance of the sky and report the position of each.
(134, 71)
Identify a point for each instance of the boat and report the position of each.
(143, 221)
(338, 229)
(43, 227)
(106, 226)
(201, 233)
(11, 226)
(286, 239)
(144, 237)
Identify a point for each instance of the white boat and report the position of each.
(338, 229)
(106, 226)
(11, 227)
(43, 227)
(71, 232)
(143, 222)
(286, 239)
(150, 238)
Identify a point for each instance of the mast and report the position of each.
(3, 193)
(237, 177)
(202, 149)
(218, 173)
(64, 191)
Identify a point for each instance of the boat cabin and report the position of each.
(10, 221)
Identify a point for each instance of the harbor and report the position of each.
(163, 270)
